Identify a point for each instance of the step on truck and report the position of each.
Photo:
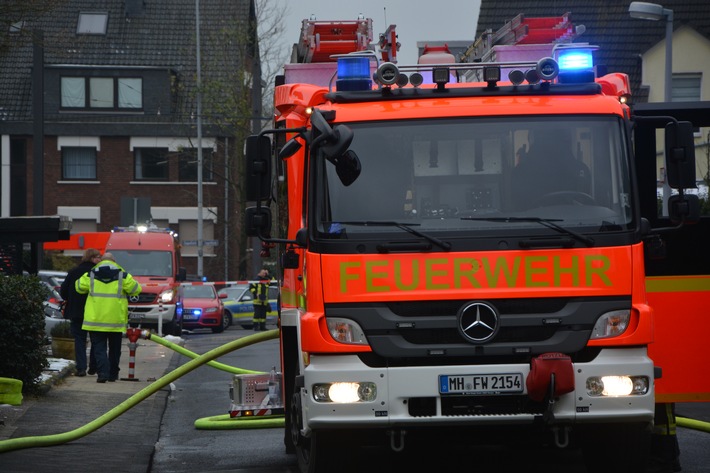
(478, 249)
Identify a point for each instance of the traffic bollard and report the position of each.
(133, 336)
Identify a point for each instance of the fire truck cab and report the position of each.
(467, 253)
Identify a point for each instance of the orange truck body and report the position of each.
(387, 302)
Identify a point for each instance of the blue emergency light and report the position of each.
(353, 74)
(576, 63)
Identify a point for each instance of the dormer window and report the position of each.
(92, 23)
(102, 93)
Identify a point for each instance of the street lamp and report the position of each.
(200, 241)
(655, 12)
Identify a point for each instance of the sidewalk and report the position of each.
(126, 444)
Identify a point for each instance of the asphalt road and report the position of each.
(204, 393)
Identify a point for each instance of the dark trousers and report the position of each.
(259, 317)
(107, 349)
(80, 337)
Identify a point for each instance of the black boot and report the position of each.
(262, 326)
(256, 326)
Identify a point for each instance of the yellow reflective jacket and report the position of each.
(260, 292)
(108, 285)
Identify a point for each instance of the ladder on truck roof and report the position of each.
(321, 39)
(521, 30)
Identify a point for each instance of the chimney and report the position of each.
(134, 8)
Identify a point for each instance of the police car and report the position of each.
(239, 302)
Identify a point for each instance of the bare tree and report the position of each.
(237, 92)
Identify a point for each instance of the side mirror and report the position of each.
(257, 175)
(258, 221)
(347, 166)
(684, 208)
(338, 142)
(680, 155)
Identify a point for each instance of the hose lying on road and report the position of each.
(193, 355)
(57, 439)
(692, 424)
(225, 422)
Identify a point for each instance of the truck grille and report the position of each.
(429, 332)
(474, 406)
(146, 298)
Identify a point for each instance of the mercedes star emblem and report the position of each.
(478, 322)
(133, 298)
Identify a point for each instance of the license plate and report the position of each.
(134, 316)
(190, 317)
(481, 384)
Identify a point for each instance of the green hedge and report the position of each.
(22, 338)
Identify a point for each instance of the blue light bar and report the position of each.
(575, 60)
(353, 74)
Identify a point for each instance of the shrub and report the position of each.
(22, 337)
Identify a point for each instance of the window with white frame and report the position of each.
(78, 162)
(685, 87)
(151, 164)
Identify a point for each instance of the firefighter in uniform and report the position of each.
(260, 294)
(665, 451)
(106, 312)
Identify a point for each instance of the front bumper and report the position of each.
(151, 314)
(409, 396)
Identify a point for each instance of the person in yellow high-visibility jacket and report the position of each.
(106, 312)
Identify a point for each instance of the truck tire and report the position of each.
(313, 453)
(619, 447)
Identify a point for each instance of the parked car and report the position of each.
(53, 278)
(199, 306)
(52, 308)
(239, 303)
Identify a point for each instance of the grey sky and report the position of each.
(416, 20)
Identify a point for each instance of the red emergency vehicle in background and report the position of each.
(478, 257)
(152, 256)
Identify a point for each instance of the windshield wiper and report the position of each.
(444, 245)
(547, 222)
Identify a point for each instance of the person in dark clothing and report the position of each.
(74, 311)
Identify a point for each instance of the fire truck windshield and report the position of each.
(500, 174)
(145, 263)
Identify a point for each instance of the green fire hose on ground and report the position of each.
(225, 421)
(9, 445)
(692, 424)
(222, 422)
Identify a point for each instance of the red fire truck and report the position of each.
(478, 248)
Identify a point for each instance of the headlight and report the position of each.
(167, 296)
(210, 310)
(617, 385)
(611, 324)
(344, 393)
(346, 331)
